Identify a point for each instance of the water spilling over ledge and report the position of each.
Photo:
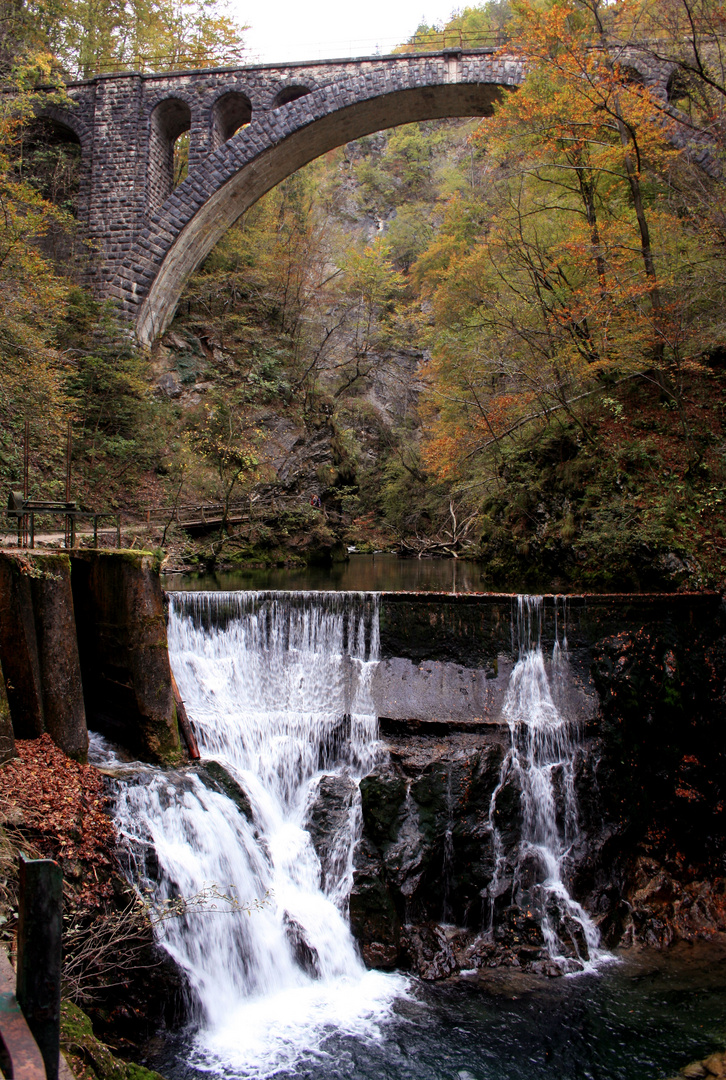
(279, 696)
(542, 760)
(438, 784)
(300, 815)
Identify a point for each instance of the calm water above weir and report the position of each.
(361, 573)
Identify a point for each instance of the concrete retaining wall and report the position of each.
(83, 643)
(446, 658)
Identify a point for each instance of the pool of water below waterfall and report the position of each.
(642, 1018)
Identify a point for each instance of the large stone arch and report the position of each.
(229, 180)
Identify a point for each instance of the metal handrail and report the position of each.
(24, 511)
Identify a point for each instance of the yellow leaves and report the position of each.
(370, 274)
(585, 265)
(146, 35)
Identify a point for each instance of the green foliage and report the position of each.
(115, 416)
(91, 36)
(485, 25)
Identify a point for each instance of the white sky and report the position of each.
(319, 29)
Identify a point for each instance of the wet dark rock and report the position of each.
(328, 823)
(374, 919)
(306, 956)
(382, 796)
(426, 950)
(214, 775)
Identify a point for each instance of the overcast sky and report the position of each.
(293, 30)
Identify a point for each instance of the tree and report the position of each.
(585, 273)
(88, 37)
(226, 440)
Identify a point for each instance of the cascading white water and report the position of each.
(541, 759)
(277, 688)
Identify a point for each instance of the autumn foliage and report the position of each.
(60, 808)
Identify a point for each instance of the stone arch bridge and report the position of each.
(250, 127)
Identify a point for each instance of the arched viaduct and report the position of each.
(249, 128)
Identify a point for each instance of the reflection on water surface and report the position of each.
(361, 573)
(641, 1019)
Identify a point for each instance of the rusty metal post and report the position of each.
(40, 926)
(95, 530)
(118, 531)
(32, 530)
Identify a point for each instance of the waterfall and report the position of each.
(277, 686)
(541, 760)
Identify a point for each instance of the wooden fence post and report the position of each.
(40, 927)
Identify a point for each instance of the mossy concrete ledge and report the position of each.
(39, 653)
(124, 652)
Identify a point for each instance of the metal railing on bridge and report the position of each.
(209, 515)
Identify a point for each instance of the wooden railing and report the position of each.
(30, 1001)
(201, 514)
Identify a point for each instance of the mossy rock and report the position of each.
(214, 776)
(88, 1057)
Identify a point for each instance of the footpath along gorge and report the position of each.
(394, 790)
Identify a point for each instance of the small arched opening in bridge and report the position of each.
(289, 94)
(230, 112)
(171, 121)
(51, 162)
(254, 161)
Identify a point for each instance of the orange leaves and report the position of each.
(61, 805)
(442, 452)
(581, 257)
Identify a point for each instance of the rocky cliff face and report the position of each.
(440, 883)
